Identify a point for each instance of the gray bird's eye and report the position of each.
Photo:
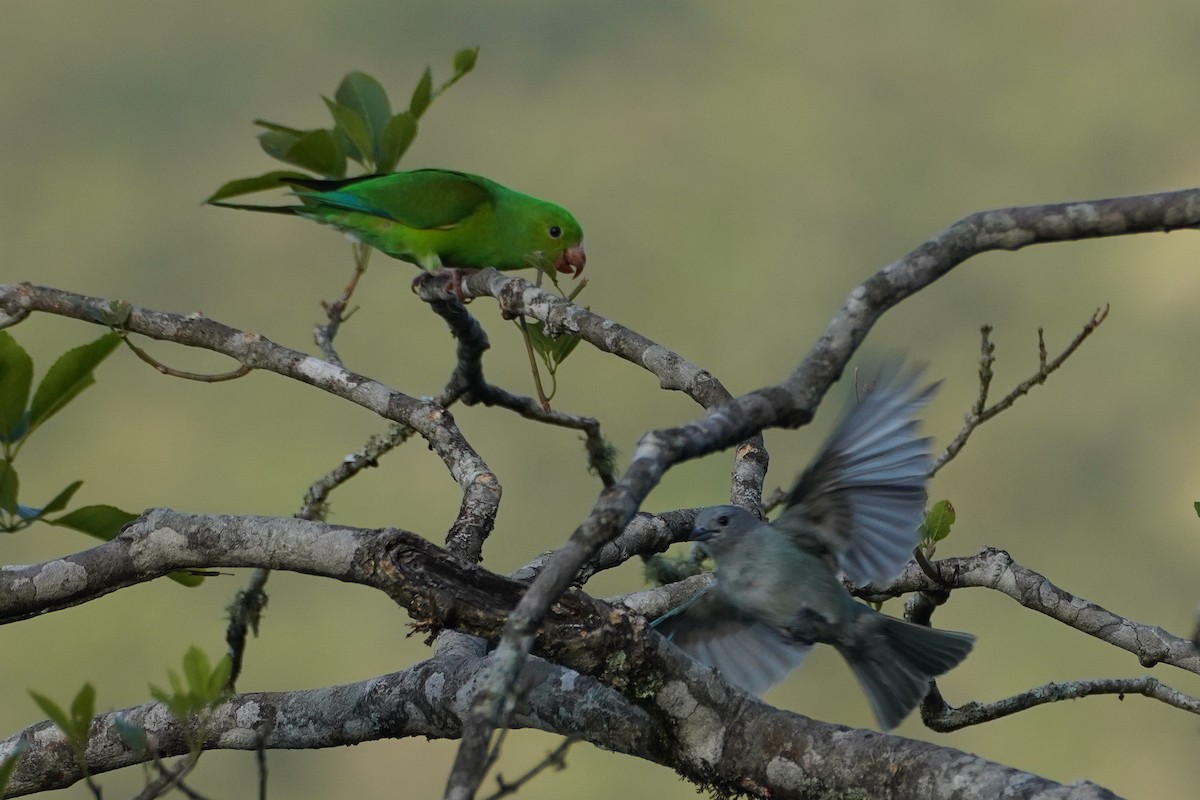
(555, 232)
(722, 520)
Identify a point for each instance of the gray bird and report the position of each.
(856, 508)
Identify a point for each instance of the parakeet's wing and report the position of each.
(862, 500)
(422, 199)
(748, 654)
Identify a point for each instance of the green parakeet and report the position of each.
(437, 218)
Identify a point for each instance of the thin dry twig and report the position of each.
(945, 719)
(556, 758)
(202, 377)
(980, 414)
(335, 310)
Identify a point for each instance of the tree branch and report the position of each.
(481, 489)
(995, 569)
(946, 719)
(789, 404)
(686, 717)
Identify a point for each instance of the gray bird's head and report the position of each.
(719, 529)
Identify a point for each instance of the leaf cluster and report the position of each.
(23, 410)
(202, 686)
(365, 130)
(75, 723)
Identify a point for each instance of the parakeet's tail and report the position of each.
(290, 210)
(895, 660)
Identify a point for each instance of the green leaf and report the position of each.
(350, 125)
(68, 376)
(273, 126)
(161, 695)
(261, 183)
(83, 708)
(177, 689)
(218, 680)
(61, 499)
(364, 95)
(185, 578)
(397, 136)
(552, 351)
(9, 487)
(319, 152)
(53, 712)
(276, 143)
(464, 61)
(938, 521)
(196, 669)
(9, 764)
(421, 95)
(1196, 505)
(102, 521)
(16, 376)
(59, 502)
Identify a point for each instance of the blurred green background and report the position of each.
(737, 169)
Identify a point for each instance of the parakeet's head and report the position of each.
(555, 240)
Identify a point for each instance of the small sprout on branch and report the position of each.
(75, 724)
(936, 526)
(202, 688)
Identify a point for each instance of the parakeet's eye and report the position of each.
(555, 232)
(722, 520)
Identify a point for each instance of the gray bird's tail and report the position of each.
(895, 660)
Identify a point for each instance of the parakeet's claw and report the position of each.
(454, 280)
(571, 261)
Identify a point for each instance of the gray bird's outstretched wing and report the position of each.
(863, 498)
(748, 654)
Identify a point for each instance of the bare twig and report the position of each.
(556, 758)
(946, 719)
(202, 377)
(168, 777)
(316, 498)
(335, 310)
(979, 414)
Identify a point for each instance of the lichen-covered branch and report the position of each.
(791, 403)
(648, 699)
(995, 569)
(481, 489)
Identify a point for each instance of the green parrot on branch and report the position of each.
(439, 218)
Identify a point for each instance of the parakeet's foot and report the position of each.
(453, 277)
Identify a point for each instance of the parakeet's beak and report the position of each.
(701, 534)
(571, 261)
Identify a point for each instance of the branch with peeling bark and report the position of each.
(652, 702)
